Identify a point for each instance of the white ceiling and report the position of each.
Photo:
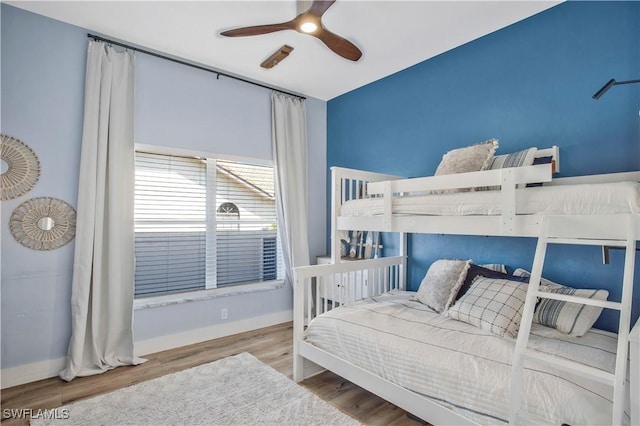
(393, 35)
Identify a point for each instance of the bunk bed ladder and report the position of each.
(522, 352)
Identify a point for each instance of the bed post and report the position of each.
(336, 184)
(298, 326)
(403, 266)
(634, 373)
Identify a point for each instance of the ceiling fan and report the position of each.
(308, 21)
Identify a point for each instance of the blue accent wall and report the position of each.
(529, 84)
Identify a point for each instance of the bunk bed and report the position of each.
(454, 372)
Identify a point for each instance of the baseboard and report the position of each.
(163, 343)
(27, 373)
(50, 368)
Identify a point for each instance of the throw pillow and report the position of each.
(492, 304)
(536, 161)
(442, 282)
(475, 271)
(498, 267)
(472, 158)
(574, 319)
(516, 159)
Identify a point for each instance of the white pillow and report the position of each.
(493, 304)
(472, 158)
(573, 319)
(442, 282)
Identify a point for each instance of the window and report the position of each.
(228, 208)
(203, 224)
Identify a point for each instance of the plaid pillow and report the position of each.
(475, 271)
(492, 304)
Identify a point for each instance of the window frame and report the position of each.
(211, 288)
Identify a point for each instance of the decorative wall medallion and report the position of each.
(20, 168)
(43, 223)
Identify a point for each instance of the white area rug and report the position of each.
(239, 390)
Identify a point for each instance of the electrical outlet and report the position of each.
(224, 313)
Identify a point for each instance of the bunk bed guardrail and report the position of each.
(311, 300)
(508, 179)
(357, 280)
(351, 185)
(314, 293)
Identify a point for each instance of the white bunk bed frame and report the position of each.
(384, 274)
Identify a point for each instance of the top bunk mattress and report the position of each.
(580, 199)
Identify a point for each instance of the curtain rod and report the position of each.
(189, 64)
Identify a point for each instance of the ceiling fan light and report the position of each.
(308, 27)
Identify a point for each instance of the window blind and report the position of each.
(203, 224)
(246, 233)
(170, 224)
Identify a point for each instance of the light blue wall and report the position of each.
(43, 64)
(177, 106)
(43, 67)
(218, 116)
(529, 84)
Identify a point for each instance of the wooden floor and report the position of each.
(272, 345)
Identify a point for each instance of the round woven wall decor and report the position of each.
(22, 168)
(43, 223)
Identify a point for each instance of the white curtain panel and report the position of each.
(103, 270)
(289, 138)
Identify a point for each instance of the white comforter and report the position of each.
(587, 199)
(463, 367)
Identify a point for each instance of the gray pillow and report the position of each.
(442, 282)
(472, 158)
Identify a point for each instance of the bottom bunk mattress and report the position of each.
(463, 367)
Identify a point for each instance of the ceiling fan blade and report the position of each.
(339, 45)
(319, 7)
(313, 15)
(259, 29)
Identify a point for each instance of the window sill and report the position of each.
(214, 293)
